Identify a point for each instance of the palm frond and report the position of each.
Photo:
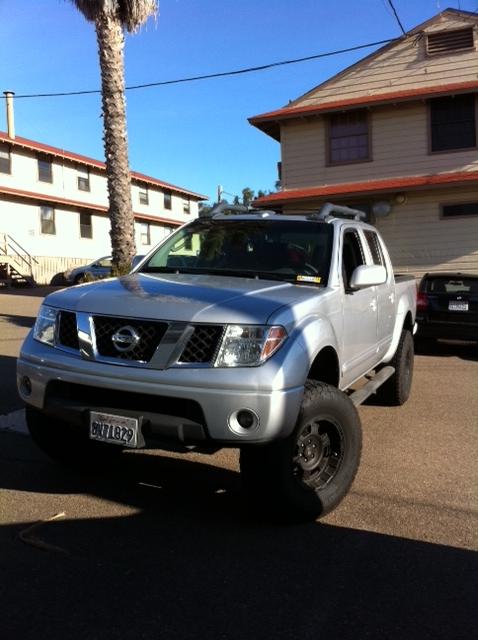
(134, 13)
(131, 13)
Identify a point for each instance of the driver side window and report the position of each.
(352, 256)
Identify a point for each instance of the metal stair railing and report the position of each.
(22, 259)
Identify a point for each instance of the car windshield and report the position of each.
(452, 284)
(295, 251)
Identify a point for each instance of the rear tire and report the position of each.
(306, 475)
(396, 390)
(67, 444)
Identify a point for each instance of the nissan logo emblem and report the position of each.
(125, 339)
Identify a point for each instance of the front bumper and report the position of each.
(191, 406)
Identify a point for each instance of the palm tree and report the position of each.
(111, 18)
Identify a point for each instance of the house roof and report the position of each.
(76, 158)
(270, 122)
(369, 187)
(20, 194)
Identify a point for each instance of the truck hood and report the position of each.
(183, 298)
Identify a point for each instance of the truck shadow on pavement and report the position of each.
(9, 398)
(442, 348)
(188, 561)
(18, 321)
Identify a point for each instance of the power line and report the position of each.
(396, 16)
(209, 76)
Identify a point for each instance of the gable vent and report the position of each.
(448, 41)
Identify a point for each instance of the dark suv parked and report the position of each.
(447, 306)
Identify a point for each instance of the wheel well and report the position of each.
(408, 324)
(326, 367)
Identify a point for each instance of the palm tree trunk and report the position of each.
(109, 34)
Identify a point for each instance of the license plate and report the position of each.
(458, 306)
(120, 430)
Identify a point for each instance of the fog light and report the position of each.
(26, 386)
(246, 419)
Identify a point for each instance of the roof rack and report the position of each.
(330, 211)
(237, 209)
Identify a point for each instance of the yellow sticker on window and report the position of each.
(314, 279)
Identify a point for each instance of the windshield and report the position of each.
(296, 251)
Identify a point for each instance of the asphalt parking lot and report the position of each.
(165, 547)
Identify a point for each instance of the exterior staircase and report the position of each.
(16, 264)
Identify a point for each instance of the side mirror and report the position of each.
(368, 276)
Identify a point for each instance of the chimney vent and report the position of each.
(10, 116)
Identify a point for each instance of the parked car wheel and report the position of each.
(79, 278)
(396, 390)
(67, 444)
(306, 475)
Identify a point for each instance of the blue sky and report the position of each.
(196, 134)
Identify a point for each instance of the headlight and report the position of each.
(249, 345)
(44, 329)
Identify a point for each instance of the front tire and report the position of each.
(306, 475)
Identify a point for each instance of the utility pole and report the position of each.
(219, 193)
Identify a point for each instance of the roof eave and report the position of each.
(367, 188)
(269, 122)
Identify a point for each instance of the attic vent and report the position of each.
(447, 41)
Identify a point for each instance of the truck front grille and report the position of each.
(149, 334)
(67, 331)
(202, 345)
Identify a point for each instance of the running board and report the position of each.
(358, 397)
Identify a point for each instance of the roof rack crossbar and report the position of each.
(224, 208)
(329, 211)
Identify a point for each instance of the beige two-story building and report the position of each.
(394, 135)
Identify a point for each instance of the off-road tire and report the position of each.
(279, 477)
(68, 445)
(396, 390)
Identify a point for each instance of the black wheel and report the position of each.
(67, 444)
(396, 390)
(79, 278)
(306, 475)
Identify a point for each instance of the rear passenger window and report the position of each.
(352, 256)
(375, 248)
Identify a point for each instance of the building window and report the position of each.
(145, 233)
(45, 169)
(348, 138)
(449, 41)
(47, 220)
(459, 210)
(452, 123)
(186, 205)
(143, 196)
(86, 225)
(5, 159)
(83, 180)
(167, 200)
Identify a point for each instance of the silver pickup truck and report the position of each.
(259, 331)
